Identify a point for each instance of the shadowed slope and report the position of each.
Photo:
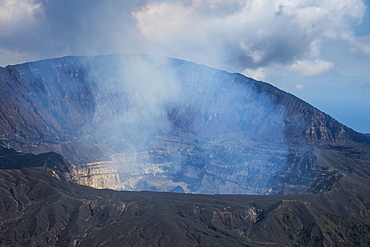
(39, 209)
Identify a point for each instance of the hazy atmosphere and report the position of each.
(317, 50)
(184, 123)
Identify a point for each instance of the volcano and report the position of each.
(294, 176)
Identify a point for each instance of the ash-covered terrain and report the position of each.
(40, 206)
(136, 122)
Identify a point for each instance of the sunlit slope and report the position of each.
(153, 123)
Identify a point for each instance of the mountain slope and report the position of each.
(39, 209)
(147, 123)
(152, 123)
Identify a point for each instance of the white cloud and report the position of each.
(228, 34)
(359, 45)
(36, 29)
(299, 86)
(311, 68)
(18, 14)
(247, 34)
(314, 49)
(257, 74)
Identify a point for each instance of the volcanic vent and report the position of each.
(136, 122)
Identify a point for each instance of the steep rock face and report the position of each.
(52, 100)
(100, 175)
(166, 124)
(61, 168)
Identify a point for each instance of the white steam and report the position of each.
(167, 123)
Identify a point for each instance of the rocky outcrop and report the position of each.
(99, 175)
(59, 166)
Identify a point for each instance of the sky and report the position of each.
(318, 50)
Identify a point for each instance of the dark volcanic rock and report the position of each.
(160, 124)
(169, 125)
(61, 168)
(37, 209)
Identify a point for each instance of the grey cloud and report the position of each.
(85, 25)
(71, 28)
(251, 35)
(232, 35)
